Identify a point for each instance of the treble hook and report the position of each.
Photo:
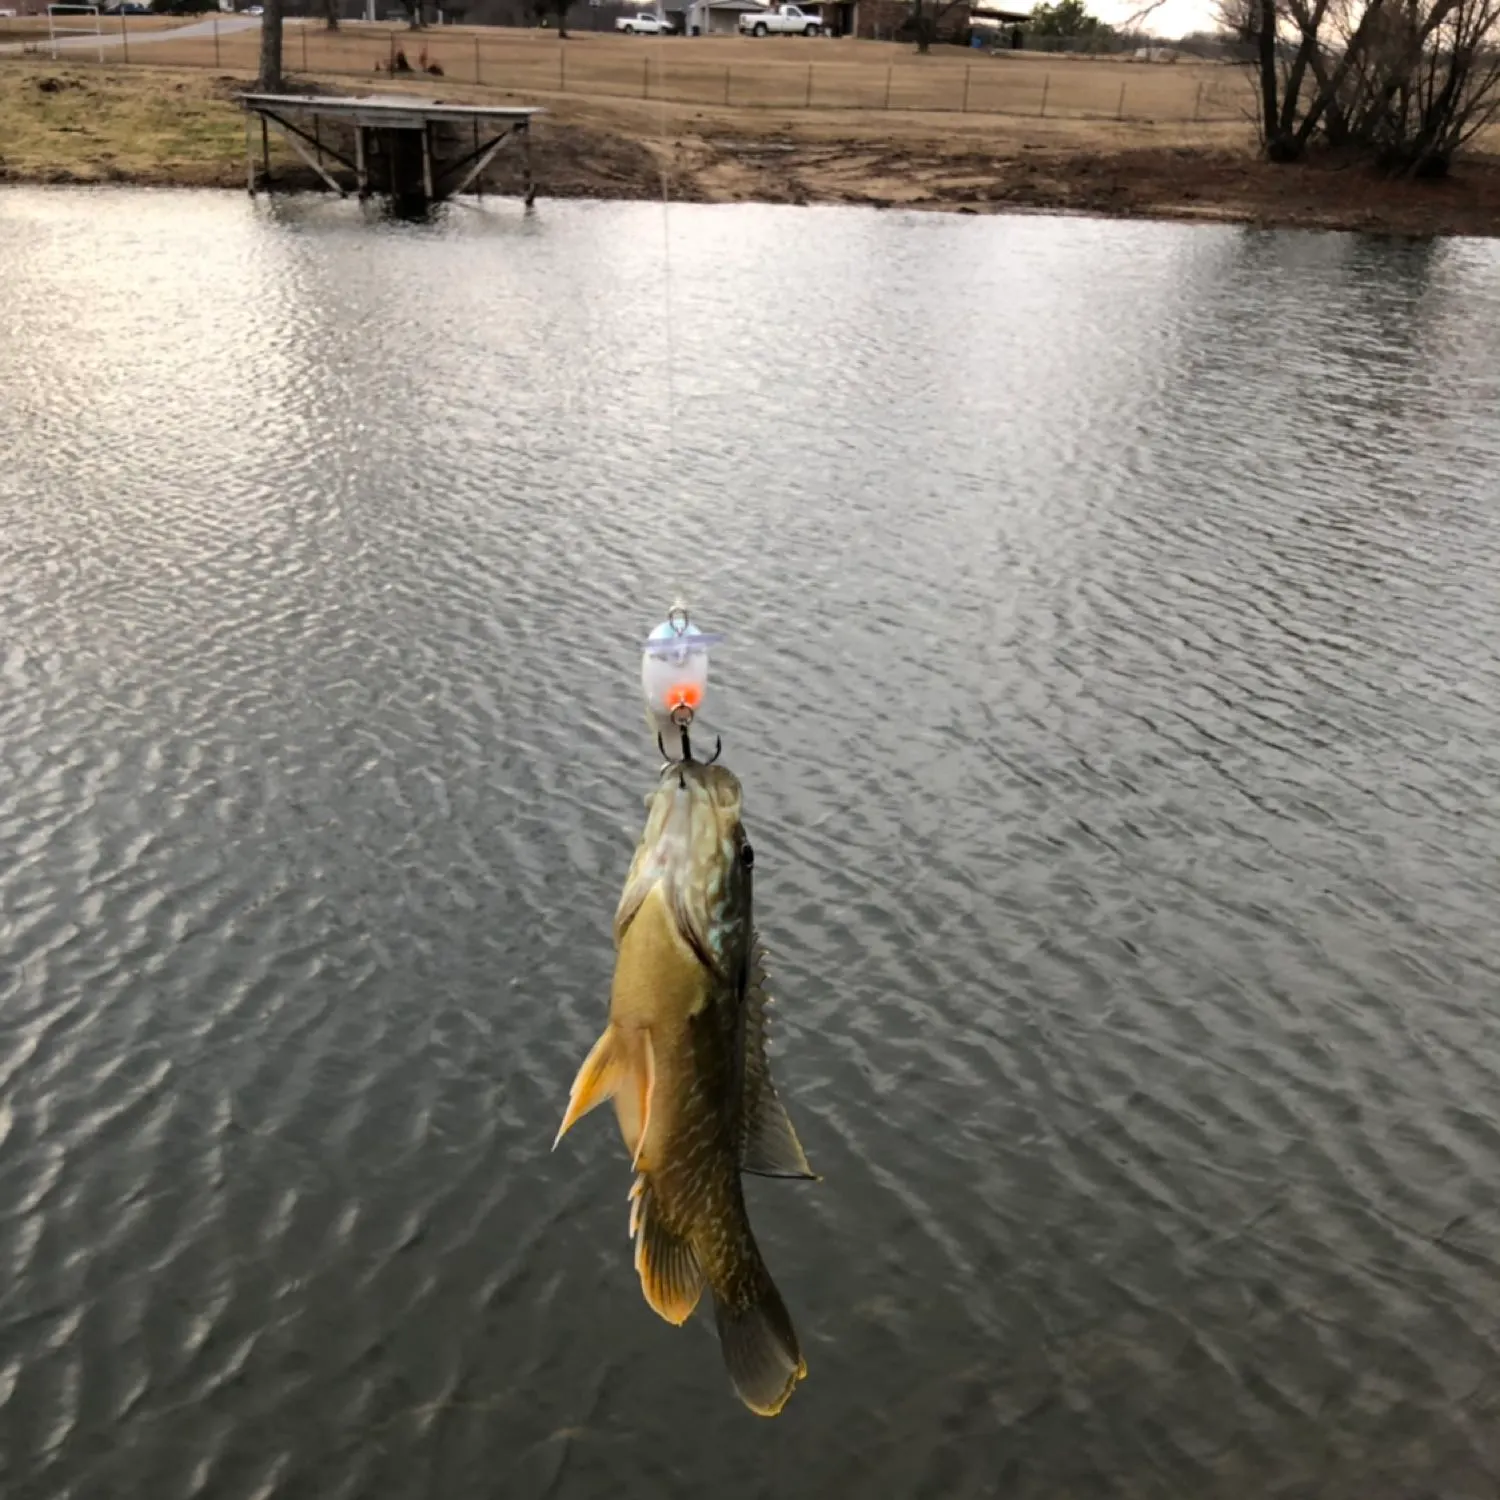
(687, 747)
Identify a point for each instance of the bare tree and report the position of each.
(1236, 19)
(1428, 81)
(331, 14)
(1136, 20)
(270, 48)
(1405, 83)
(557, 10)
(926, 21)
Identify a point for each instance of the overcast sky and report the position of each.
(1174, 18)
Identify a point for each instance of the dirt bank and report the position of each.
(152, 126)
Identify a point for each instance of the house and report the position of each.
(888, 20)
(717, 17)
(999, 27)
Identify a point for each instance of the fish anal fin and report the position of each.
(671, 1278)
(620, 1066)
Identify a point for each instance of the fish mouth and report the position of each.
(691, 846)
(690, 790)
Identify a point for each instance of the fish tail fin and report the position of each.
(759, 1343)
(621, 1066)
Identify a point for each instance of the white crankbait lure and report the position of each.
(674, 673)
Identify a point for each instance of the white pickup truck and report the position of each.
(647, 23)
(782, 20)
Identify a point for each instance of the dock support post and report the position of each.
(314, 162)
(265, 150)
(249, 157)
(427, 161)
(361, 173)
(526, 158)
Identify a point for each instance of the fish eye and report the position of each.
(747, 855)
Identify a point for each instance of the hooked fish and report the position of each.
(684, 1060)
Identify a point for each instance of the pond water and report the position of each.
(1113, 669)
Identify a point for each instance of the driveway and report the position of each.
(227, 24)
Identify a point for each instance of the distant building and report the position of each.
(717, 17)
(888, 20)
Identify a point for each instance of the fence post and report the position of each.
(1198, 102)
(477, 78)
(887, 85)
(808, 103)
(726, 88)
(562, 67)
(125, 35)
(1120, 110)
(1046, 84)
(303, 32)
(968, 69)
(645, 78)
(391, 65)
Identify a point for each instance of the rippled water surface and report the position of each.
(1114, 673)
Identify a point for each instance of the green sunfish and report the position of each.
(684, 1060)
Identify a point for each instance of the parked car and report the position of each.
(783, 20)
(645, 23)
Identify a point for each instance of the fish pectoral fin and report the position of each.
(768, 1144)
(633, 1103)
(620, 1066)
(671, 1278)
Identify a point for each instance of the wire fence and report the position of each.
(728, 74)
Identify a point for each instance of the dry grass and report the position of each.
(779, 74)
(92, 124)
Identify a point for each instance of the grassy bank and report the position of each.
(155, 125)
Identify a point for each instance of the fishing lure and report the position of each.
(674, 677)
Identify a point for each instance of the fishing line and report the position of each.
(666, 244)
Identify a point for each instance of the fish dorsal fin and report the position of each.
(768, 1145)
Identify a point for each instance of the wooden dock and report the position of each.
(414, 151)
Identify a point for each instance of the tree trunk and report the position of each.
(1307, 48)
(270, 48)
(1329, 93)
(1270, 116)
(331, 14)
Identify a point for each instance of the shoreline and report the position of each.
(65, 124)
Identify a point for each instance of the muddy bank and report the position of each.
(1179, 182)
